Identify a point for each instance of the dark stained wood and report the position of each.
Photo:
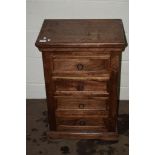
(108, 136)
(85, 52)
(82, 129)
(80, 85)
(74, 112)
(85, 124)
(102, 73)
(114, 94)
(80, 64)
(81, 121)
(81, 61)
(82, 93)
(81, 33)
(48, 83)
(82, 103)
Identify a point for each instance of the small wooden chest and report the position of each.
(82, 60)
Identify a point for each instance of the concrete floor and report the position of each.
(37, 143)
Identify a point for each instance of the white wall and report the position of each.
(38, 10)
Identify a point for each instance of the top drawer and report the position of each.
(81, 64)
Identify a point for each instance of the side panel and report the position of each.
(114, 88)
(47, 63)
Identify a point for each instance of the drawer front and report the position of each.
(83, 124)
(81, 64)
(80, 121)
(80, 85)
(82, 103)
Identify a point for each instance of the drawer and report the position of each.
(77, 84)
(81, 121)
(85, 123)
(82, 103)
(81, 64)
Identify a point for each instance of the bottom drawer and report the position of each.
(85, 123)
(81, 121)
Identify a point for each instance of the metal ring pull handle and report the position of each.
(81, 106)
(82, 122)
(80, 67)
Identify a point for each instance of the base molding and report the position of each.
(107, 136)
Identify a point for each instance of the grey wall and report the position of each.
(38, 10)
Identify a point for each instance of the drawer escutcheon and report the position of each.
(82, 122)
(80, 66)
(81, 106)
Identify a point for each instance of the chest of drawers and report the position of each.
(82, 60)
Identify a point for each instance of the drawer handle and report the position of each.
(81, 106)
(82, 123)
(80, 67)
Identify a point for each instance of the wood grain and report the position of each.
(49, 88)
(80, 85)
(82, 93)
(91, 64)
(82, 129)
(82, 33)
(108, 136)
(82, 61)
(63, 112)
(82, 103)
(80, 121)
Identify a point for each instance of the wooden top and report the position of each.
(81, 33)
